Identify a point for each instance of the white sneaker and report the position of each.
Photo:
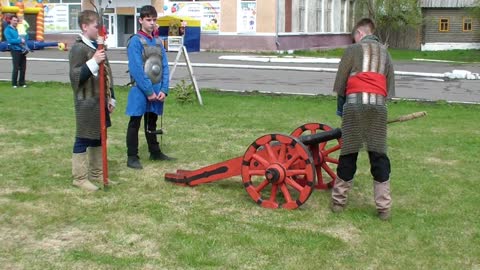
(24, 86)
(14, 86)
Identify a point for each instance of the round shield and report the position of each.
(153, 68)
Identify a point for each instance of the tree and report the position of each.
(390, 15)
(476, 10)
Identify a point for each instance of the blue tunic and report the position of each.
(138, 104)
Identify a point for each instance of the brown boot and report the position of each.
(383, 200)
(339, 194)
(80, 172)
(95, 173)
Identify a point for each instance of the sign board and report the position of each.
(56, 17)
(208, 12)
(175, 43)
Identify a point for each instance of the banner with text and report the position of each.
(207, 12)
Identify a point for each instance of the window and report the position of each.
(318, 16)
(247, 16)
(301, 15)
(73, 11)
(444, 25)
(467, 24)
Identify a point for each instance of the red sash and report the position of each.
(370, 82)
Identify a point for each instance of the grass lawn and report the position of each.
(402, 54)
(147, 223)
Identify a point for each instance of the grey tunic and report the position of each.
(86, 95)
(364, 124)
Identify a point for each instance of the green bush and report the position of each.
(183, 93)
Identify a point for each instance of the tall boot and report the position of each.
(80, 172)
(339, 194)
(133, 160)
(383, 200)
(95, 165)
(154, 148)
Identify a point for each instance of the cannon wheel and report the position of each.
(326, 149)
(267, 171)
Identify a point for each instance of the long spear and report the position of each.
(101, 74)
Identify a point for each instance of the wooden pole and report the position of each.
(190, 70)
(103, 125)
(408, 117)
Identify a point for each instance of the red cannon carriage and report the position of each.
(277, 170)
(281, 170)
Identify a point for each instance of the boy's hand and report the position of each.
(161, 96)
(152, 97)
(99, 56)
(111, 108)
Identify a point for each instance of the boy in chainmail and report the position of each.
(84, 61)
(364, 80)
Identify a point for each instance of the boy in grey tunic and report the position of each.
(84, 70)
(364, 80)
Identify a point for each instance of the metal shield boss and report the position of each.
(153, 68)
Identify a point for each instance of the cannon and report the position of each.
(277, 170)
(293, 165)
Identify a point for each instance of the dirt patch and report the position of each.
(348, 234)
(129, 245)
(7, 191)
(433, 160)
(64, 239)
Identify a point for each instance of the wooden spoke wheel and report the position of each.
(267, 171)
(327, 160)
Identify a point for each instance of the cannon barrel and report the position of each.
(321, 137)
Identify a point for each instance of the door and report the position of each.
(111, 26)
(126, 28)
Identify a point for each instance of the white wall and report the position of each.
(127, 3)
(449, 46)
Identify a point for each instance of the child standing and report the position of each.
(150, 87)
(84, 70)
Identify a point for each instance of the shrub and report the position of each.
(184, 92)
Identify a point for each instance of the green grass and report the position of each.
(401, 54)
(147, 223)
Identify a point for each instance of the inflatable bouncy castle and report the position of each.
(31, 24)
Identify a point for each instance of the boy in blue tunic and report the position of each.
(148, 67)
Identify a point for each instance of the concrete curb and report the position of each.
(312, 95)
(286, 59)
(209, 65)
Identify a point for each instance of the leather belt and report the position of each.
(366, 98)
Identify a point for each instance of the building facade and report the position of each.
(449, 24)
(242, 25)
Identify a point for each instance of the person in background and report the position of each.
(18, 51)
(5, 22)
(22, 28)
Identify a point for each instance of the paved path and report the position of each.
(211, 72)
